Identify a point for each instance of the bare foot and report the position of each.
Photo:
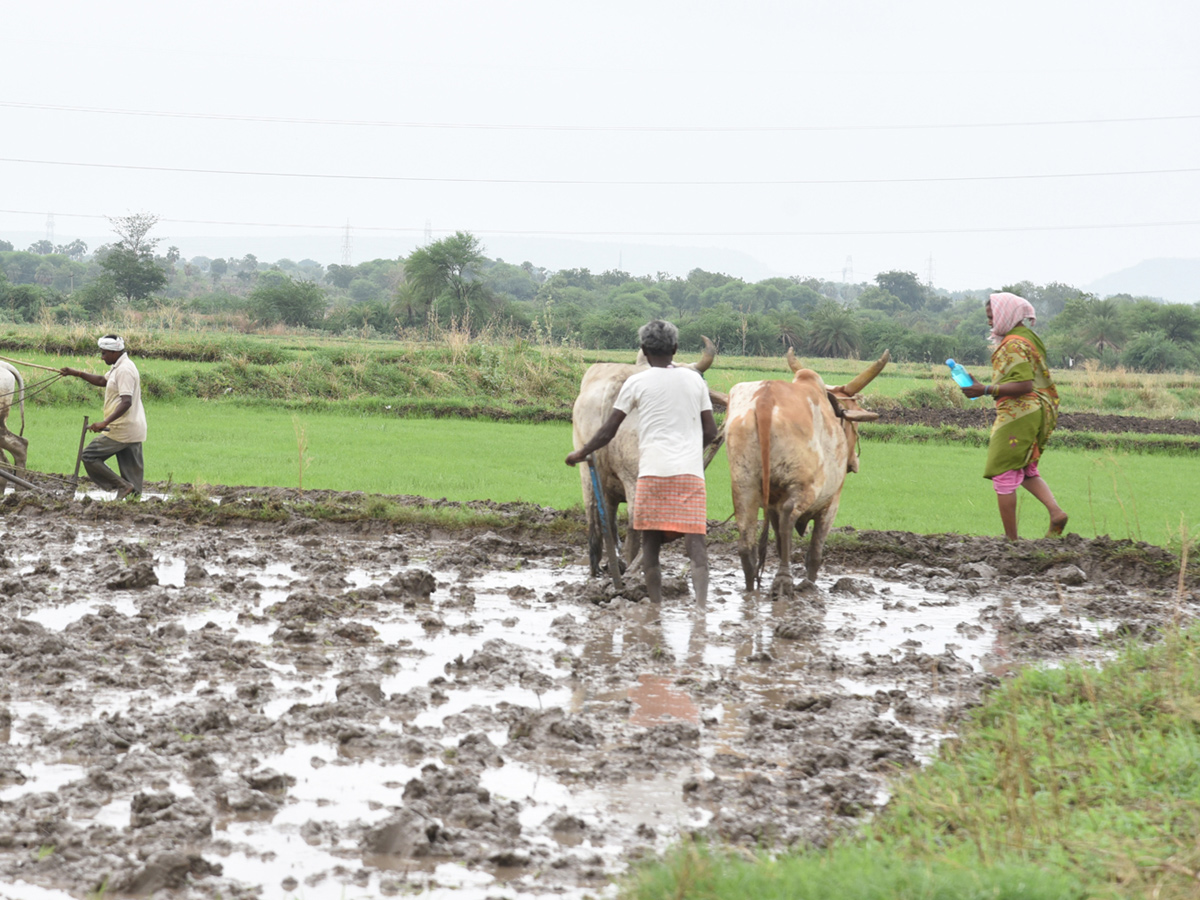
(1057, 526)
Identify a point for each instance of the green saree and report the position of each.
(1023, 424)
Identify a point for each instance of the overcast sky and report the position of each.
(978, 143)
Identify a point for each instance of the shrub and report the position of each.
(279, 299)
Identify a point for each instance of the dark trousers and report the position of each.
(129, 461)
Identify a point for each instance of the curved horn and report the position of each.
(867, 376)
(706, 359)
(793, 363)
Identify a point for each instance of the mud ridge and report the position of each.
(982, 417)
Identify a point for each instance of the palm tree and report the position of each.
(446, 273)
(790, 325)
(834, 331)
(1102, 328)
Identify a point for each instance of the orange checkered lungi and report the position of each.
(673, 504)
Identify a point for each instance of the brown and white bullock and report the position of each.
(12, 391)
(617, 463)
(790, 445)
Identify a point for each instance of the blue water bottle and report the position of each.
(959, 374)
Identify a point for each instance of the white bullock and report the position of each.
(12, 390)
(617, 463)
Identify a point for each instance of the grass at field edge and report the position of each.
(1067, 783)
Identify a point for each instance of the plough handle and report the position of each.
(79, 455)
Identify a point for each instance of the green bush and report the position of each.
(279, 299)
(940, 395)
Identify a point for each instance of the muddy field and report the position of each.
(337, 711)
(982, 417)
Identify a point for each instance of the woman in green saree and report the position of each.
(1026, 411)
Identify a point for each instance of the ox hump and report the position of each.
(809, 380)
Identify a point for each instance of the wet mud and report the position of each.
(343, 710)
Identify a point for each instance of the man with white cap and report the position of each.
(124, 421)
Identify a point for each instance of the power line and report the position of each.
(584, 182)
(545, 232)
(513, 126)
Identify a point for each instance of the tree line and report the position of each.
(452, 281)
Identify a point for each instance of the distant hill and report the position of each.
(1172, 280)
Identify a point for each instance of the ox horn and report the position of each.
(867, 376)
(794, 364)
(707, 357)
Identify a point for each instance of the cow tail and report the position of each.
(764, 405)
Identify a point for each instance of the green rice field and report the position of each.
(924, 487)
(389, 417)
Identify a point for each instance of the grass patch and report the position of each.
(938, 487)
(695, 872)
(152, 344)
(511, 378)
(1071, 782)
(1093, 772)
(496, 376)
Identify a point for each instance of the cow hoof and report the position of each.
(782, 589)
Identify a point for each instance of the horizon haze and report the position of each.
(1039, 141)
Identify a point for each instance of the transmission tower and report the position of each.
(347, 246)
(428, 232)
(50, 227)
(848, 271)
(929, 272)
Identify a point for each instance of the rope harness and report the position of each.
(41, 386)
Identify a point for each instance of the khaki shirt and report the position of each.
(124, 380)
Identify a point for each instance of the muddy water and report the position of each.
(305, 711)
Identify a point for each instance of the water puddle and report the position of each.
(42, 778)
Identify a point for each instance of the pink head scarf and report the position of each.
(1009, 311)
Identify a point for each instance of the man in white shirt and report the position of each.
(124, 421)
(675, 424)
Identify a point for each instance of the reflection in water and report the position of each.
(1000, 661)
(657, 701)
(674, 635)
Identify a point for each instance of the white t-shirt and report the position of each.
(125, 381)
(668, 403)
